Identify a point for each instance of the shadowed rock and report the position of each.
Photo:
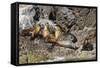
(87, 47)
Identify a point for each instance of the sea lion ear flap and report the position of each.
(75, 39)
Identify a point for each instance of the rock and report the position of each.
(26, 14)
(87, 47)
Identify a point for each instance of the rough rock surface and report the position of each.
(80, 22)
